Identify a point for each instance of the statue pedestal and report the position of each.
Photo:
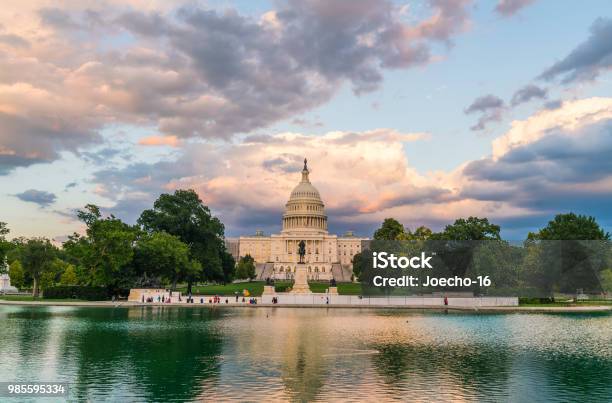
(5, 284)
(332, 290)
(300, 285)
(268, 290)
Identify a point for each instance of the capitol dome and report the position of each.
(305, 211)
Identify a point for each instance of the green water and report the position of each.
(169, 353)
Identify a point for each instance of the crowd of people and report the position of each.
(163, 299)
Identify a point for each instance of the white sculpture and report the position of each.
(5, 280)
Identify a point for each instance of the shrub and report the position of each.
(530, 300)
(283, 287)
(76, 292)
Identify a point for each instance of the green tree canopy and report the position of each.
(106, 251)
(69, 276)
(470, 229)
(246, 268)
(37, 256)
(183, 215)
(570, 227)
(390, 230)
(165, 256)
(17, 274)
(359, 263)
(578, 262)
(422, 233)
(229, 267)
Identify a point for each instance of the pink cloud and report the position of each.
(171, 141)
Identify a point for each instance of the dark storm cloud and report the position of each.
(42, 198)
(527, 93)
(508, 8)
(489, 106)
(587, 60)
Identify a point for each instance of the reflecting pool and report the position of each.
(307, 354)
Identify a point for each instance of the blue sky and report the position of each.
(115, 103)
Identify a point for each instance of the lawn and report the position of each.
(343, 288)
(568, 303)
(255, 288)
(349, 289)
(31, 298)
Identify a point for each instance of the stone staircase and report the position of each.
(263, 270)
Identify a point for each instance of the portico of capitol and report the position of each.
(276, 256)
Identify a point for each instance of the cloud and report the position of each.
(489, 106)
(190, 71)
(15, 41)
(171, 141)
(101, 156)
(570, 117)
(589, 59)
(554, 104)
(507, 8)
(527, 93)
(554, 161)
(347, 167)
(40, 197)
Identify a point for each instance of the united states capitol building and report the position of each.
(276, 256)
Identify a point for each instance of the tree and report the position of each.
(246, 268)
(470, 229)
(577, 261)
(37, 256)
(229, 267)
(359, 263)
(106, 251)
(17, 274)
(571, 227)
(422, 233)
(69, 276)
(606, 281)
(390, 230)
(162, 255)
(183, 214)
(52, 276)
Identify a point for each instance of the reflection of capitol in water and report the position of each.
(327, 256)
(306, 354)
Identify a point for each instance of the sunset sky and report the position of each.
(425, 111)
